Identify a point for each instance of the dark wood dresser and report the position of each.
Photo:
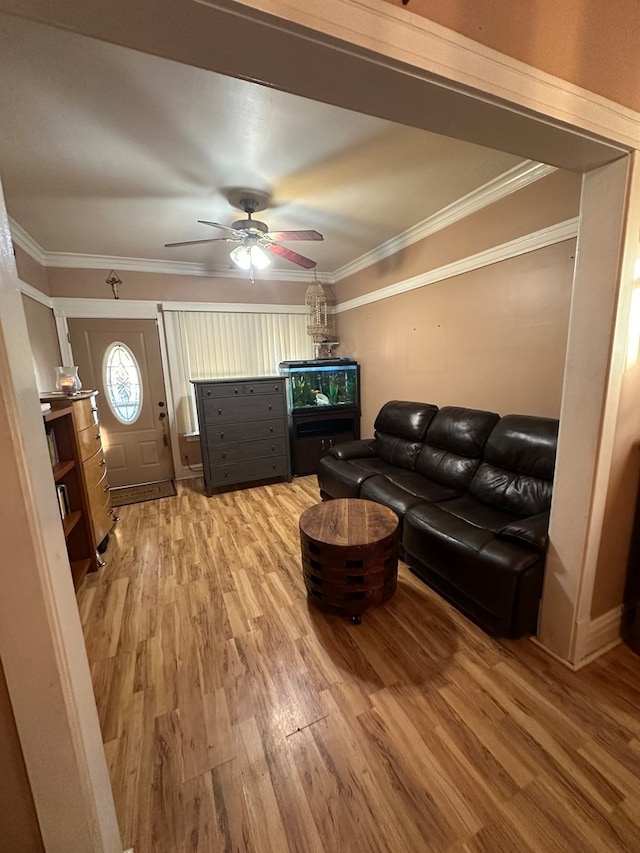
(243, 431)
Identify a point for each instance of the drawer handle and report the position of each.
(103, 462)
(273, 447)
(224, 455)
(270, 429)
(219, 411)
(94, 409)
(226, 473)
(269, 407)
(97, 436)
(235, 390)
(106, 488)
(208, 393)
(221, 435)
(251, 390)
(110, 512)
(274, 466)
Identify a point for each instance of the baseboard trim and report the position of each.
(602, 635)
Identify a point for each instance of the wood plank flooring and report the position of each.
(236, 718)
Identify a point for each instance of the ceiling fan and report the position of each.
(255, 241)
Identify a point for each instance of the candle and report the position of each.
(67, 384)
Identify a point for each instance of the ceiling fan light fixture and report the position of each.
(244, 257)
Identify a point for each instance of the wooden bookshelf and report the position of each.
(61, 439)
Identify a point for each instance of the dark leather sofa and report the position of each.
(472, 491)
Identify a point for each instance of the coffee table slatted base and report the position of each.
(349, 579)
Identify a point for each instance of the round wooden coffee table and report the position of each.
(349, 555)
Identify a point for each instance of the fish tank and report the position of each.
(329, 383)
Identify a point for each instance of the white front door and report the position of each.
(121, 359)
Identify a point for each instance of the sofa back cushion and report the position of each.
(453, 445)
(519, 460)
(400, 429)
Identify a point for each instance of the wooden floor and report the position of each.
(235, 718)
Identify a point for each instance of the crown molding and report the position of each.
(72, 260)
(26, 242)
(34, 293)
(521, 245)
(525, 173)
(511, 181)
(106, 262)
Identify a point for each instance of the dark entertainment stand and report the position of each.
(314, 430)
(314, 434)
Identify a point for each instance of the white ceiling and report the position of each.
(109, 152)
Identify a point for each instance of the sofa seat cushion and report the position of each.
(339, 478)
(479, 514)
(487, 570)
(404, 489)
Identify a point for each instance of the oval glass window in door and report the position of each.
(122, 382)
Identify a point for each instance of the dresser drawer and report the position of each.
(240, 388)
(250, 469)
(223, 453)
(243, 432)
(94, 470)
(90, 441)
(85, 413)
(102, 523)
(231, 390)
(98, 495)
(247, 407)
(263, 387)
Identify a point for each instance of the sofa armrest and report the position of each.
(531, 531)
(364, 448)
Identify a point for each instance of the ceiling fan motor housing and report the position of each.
(250, 225)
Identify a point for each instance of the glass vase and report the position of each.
(67, 379)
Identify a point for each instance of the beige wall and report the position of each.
(493, 338)
(591, 44)
(553, 199)
(44, 342)
(622, 495)
(490, 339)
(19, 829)
(167, 287)
(30, 270)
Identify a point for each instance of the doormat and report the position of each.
(142, 492)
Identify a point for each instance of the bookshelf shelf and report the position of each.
(70, 521)
(79, 568)
(60, 469)
(60, 428)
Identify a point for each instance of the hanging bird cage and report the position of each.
(319, 325)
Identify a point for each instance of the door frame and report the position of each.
(426, 56)
(120, 309)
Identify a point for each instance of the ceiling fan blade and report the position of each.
(290, 255)
(218, 225)
(295, 235)
(195, 242)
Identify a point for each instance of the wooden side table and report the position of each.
(349, 555)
